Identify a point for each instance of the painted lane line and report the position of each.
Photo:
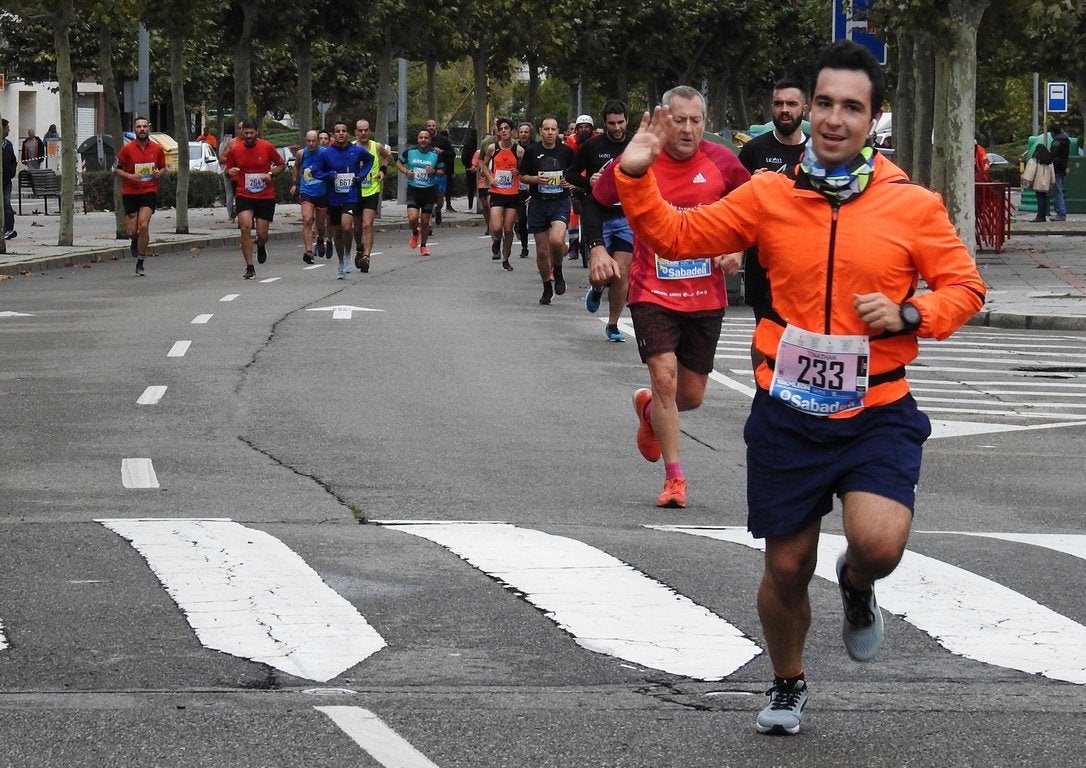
(605, 604)
(247, 594)
(179, 349)
(270, 279)
(138, 473)
(342, 311)
(965, 613)
(312, 266)
(3, 640)
(151, 395)
(1073, 544)
(381, 742)
(10, 313)
(230, 297)
(201, 319)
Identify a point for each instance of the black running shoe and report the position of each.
(261, 253)
(548, 292)
(559, 282)
(250, 272)
(139, 267)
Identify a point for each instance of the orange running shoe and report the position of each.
(646, 438)
(414, 240)
(674, 494)
(424, 251)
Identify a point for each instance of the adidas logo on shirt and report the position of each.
(699, 179)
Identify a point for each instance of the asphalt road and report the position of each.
(462, 399)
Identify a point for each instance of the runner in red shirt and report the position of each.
(252, 163)
(677, 306)
(140, 163)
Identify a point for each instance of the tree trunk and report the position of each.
(431, 88)
(923, 109)
(742, 117)
(380, 100)
(62, 21)
(956, 61)
(243, 79)
(478, 70)
(181, 129)
(904, 101)
(533, 89)
(113, 118)
(305, 90)
(573, 102)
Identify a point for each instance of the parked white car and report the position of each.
(203, 158)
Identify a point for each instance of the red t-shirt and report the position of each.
(142, 161)
(688, 285)
(254, 162)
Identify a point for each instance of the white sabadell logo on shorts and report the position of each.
(699, 179)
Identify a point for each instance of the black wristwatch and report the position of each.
(910, 317)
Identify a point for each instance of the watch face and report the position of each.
(910, 314)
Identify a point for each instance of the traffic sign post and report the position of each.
(850, 22)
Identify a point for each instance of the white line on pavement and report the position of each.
(230, 297)
(247, 594)
(270, 279)
(138, 473)
(151, 395)
(201, 319)
(381, 742)
(606, 605)
(1068, 543)
(179, 349)
(965, 613)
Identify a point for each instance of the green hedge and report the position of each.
(205, 190)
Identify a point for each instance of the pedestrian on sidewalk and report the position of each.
(10, 167)
(1040, 176)
(140, 163)
(1061, 151)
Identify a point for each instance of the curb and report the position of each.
(1012, 320)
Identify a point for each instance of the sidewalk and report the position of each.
(1038, 281)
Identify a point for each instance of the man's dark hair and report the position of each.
(500, 121)
(247, 123)
(547, 117)
(615, 107)
(1054, 128)
(785, 82)
(845, 54)
(4, 122)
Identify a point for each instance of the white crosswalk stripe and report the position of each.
(980, 380)
(965, 613)
(245, 593)
(605, 604)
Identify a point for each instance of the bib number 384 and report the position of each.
(820, 374)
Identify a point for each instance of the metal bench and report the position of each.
(42, 183)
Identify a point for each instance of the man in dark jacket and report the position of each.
(11, 164)
(1061, 150)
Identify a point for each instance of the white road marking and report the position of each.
(1067, 543)
(151, 395)
(270, 279)
(247, 594)
(312, 266)
(230, 297)
(9, 313)
(342, 311)
(965, 613)
(179, 349)
(605, 604)
(3, 640)
(138, 473)
(201, 319)
(381, 742)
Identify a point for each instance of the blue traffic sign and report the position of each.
(850, 22)
(1057, 97)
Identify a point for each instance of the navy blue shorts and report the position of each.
(796, 462)
(542, 213)
(617, 235)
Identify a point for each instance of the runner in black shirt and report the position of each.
(605, 229)
(543, 167)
